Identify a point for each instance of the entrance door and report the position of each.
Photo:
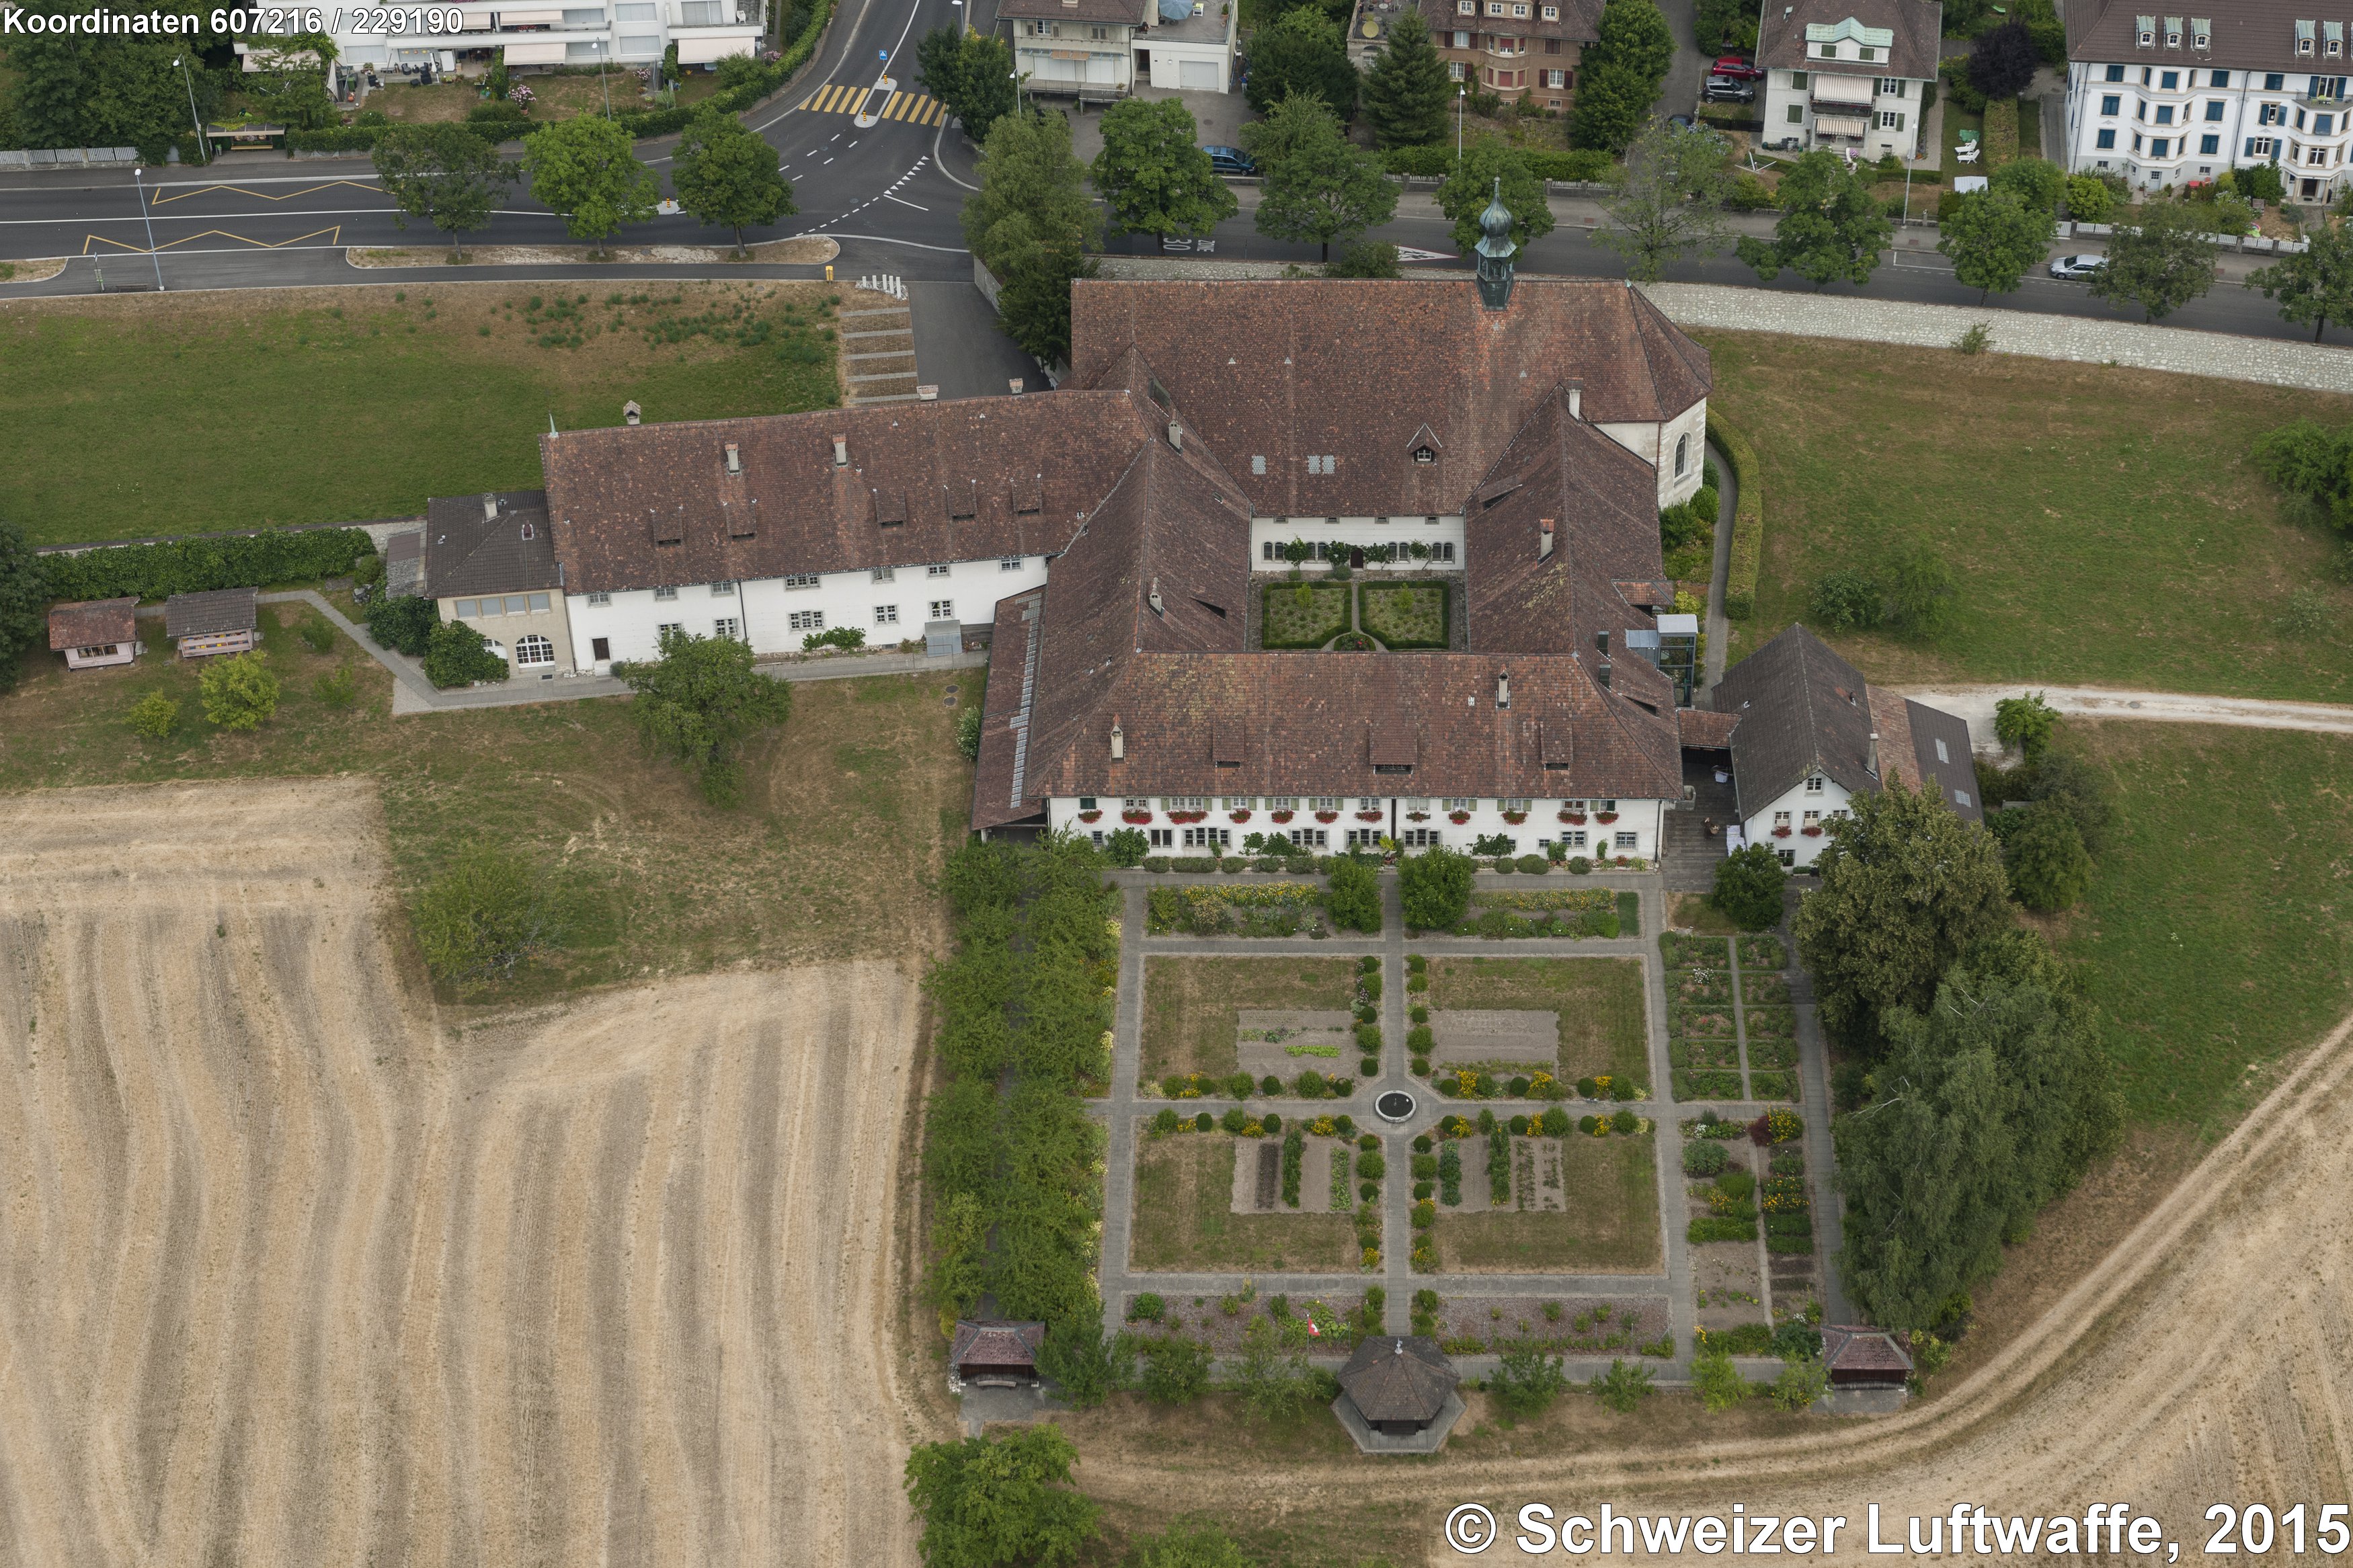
(2311, 189)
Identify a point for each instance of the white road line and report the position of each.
(936, 134)
(887, 239)
(892, 198)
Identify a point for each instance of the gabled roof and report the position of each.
(1579, 21)
(1916, 26)
(1801, 708)
(495, 544)
(1394, 1379)
(87, 623)
(201, 615)
(996, 1341)
(1259, 367)
(1910, 737)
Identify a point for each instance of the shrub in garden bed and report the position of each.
(1720, 1052)
(1772, 1053)
(1450, 1175)
(1706, 1084)
(1681, 951)
(1773, 1085)
(1259, 909)
(1775, 1126)
(1707, 1158)
(1763, 953)
(1774, 1023)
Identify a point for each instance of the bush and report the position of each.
(1354, 900)
(154, 715)
(1125, 848)
(1365, 259)
(1166, 1122)
(1717, 1382)
(403, 625)
(1308, 1085)
(968, 740)
(1235, 1118)
(483, 918)
(1748, 886)
(339, 687)
(1147, 1308)
(1705, 1158)
(2049, 869)
(1368, 1039)
(1846, 600)
(1175, 1369)
(1371, 1166)
(457, 655)
(238, 693)
(316, 634)
(1622, 1387)
(196, 565)
(1526, 1381)
(1625, 1121)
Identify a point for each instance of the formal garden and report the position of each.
(1197, 1197)
(1409, 614)
(1417, 613)
(1730, 1035)
(1229, 1023)
(1348, 899)
(1553, 1193)
(1572, 1019)
(1502, 913)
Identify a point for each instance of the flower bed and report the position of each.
(1253, 908)
(1762, 952)
(1681, 951)
(1302, 614)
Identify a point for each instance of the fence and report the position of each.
(67, 157)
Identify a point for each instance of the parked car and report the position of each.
(1230, 161)
(1724, 89)
(1738, 69)
(2078, 266)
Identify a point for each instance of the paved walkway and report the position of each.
(2129, 343)
(1975, 704)
(1719, 574)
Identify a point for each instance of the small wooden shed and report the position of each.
(222, 621)
(1861, 1357)
(91, 632)
(1398, 1384)
(996, 1351)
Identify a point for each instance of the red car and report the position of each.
(1736, 68)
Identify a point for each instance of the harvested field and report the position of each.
(296, 1272)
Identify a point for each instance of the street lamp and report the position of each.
(152, 254)
(202, 150)
(1460, 92)
(600, 79)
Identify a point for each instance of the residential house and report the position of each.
(1189, 45)
(1809, 735)
(1076, 48)
(1848, 75)
(2166, 100)
(490, 564)
(1520, 50)
(226, 620)
(92, 632)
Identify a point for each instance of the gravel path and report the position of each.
(1975, 704)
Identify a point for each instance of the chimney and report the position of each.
(630, 413)
(1873, 766)
(1153, 598)
(1118, 740)
(1601, 672)
(1176, 435)
(489, 509)
(1503, 688)
(1576, 399)
(1544, 540)
(841, 451)
(735, 459)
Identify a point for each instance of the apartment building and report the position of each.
(617, 32)
(1516, 49)
(1848, 75)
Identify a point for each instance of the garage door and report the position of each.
(1200, 76)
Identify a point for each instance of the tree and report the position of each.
(2003, 63)
(2048, 867)
(726, 174)
(585, 169)
(1748, 884)
(1830, 225)
(1716, 1381)
(1271, 1375)
(1906, 887)
(2311, 461)
(2068, 783)
(457, 655)
(238, 693)
(482, 917)
(1301, 52)
(112, 89)
(1920, 591)
(2316, 286)
(154, 715)
(1031, 223)
(1847, 599)
(1526, 1381)
(2025, 723)
(2089, 198)
(403, 625)
(1175, 1369)
(1463, 195)
(1670, 200)
(1407, 91)
(443, 173)
(1623, 1387)
(1315, 187)
(1126, 846)
(700, 702)
(1619, 74)
(1365, 259)
(1804, 1382)
(940, 65)
(1086, 1364)
(24, 601)
(1435, 887)
(1153, 176)
(999, 1502)
(973, 74)
(1993, 237)
(2162, 265)
(2037, 181)
(1354, 898)
(1188, 1546)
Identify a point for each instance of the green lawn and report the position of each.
(1190, 1005)
(2107, 526)
(133, 416)
(1406, 615)
(834, 854)
(1599, 1001)
(1303, 615)
(1611, 1225)
(2219, 934)
(1185, 1218)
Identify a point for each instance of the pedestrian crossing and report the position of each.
(841, 98)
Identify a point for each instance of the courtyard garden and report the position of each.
(1303, 615)
(1554, 1194)
(1410, 614)
(1587, 1010)
(1193, 1011)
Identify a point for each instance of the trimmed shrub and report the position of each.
(198, 565)
(1145, 1308)
(1625, 1121)
(154, 715)
(1205, 1122)
(1705, 1158)
(1166, 1122)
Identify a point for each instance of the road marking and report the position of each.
(160, 199)
(907, 108)
(888, 197)
(89, 240)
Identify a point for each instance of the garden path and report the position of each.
(1719, 577)
(1975, 704)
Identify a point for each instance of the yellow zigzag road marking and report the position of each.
(158, 199)
(89, 240)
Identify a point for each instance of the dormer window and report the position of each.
(2304, 34)
(2202, 33)
(2145, 29)
(1826, 51)
(1424, 454)
(1865, 52)
(1552, 13)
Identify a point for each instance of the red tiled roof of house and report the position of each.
(1853, 1348)
(1699, 727)
(91, 623)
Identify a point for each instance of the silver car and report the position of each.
(2077, 265)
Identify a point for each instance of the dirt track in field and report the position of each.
(294, 1273)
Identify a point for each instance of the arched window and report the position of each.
(534, 649)
(1683, 454)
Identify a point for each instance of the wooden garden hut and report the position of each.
(1398, 1385)
(95, 631)
(222, 621)
(1861, 1357)
(997, 1352)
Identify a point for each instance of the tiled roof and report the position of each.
(996, 1341)
(1274, 373)
(1954, 773)
(1853, 1349)
(200, 614)
(1801, 707)
(1700, 727)
(655, 505)
(470, 550)
(1001, 774)
(1917, 24)
(1394, 1379)
(1579, 20)
(2256, 35)
(89, 623)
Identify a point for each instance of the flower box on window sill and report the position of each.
(1782, 832)
(1091, 816)
(1574, 818)
(1187, 815)
(1416, 816)
(1282, 815)
(1136, 819)
(1327, 816)
(1605, 816)
(1515, 818)
(1368, 816)
(1238, 817)
(1458, 818)
(1813, 832)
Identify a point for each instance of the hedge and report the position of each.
(195, 565)
(1435, 162)
(1748, 518)
(743, 94)
(342, 139)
